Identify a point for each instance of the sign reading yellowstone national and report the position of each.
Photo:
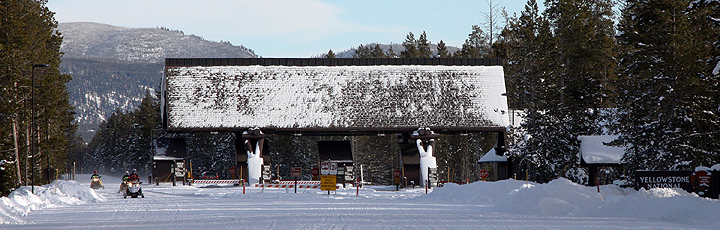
(665, 179)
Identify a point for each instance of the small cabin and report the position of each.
(495, 167)
(600, 158)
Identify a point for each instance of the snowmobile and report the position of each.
(123, 186)
(133, 190)
(96, 183)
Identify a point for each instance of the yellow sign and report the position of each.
(327, 182)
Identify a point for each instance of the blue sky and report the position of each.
(291, 28)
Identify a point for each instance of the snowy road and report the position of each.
(185, 207)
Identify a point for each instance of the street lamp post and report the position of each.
(32, 129)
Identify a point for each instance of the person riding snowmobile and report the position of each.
(134, 189)
(96, 183)
(134, 177)
(95, 175)
(125, 181)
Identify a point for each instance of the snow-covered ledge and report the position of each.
(427, 160)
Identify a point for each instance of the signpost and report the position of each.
(266, 172)
(296, 171)
(328, 179)
(349, 173)
(327, 183)
(432, 177)
(396, 175)
(315, 173)
(179, 169)
(328, 168)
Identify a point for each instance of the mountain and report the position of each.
(113, 67)
(100, 41)
(397, 48)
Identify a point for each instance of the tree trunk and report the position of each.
(17, 151)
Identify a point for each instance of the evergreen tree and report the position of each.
(362, 52)
(330, 54)
(531, 51)
(667, 86)
(577, 89)
(391, 53)
(379, 157)
(423, 46)
(28, 37)
(377, 52)
(476, 45)
(123, 141)
(457, 155)
(411, 48)
(212, 151)
(290, 151)
(442, 50)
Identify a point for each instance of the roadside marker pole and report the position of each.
(426, 181)
(243, 182)
(357, 187)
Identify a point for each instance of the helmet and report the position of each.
(134, 170)
(95, 171)
(126, 172)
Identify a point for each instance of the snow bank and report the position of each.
(21, 201)
(562, 197)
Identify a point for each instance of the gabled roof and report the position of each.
(593, 150)
(338, 98)
(491, 156)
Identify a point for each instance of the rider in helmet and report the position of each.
(125, 179)
(134, 176)
(95, 175)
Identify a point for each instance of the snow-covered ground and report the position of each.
(508, 204)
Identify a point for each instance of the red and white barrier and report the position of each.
(291, 184)
(216, 181)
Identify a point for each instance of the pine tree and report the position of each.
(410, 45)
(27, 38)
(476, 45)
(362, 52)
(391, 53)
(123, 140)
(667, 84)
(378, 155)
(531, 56)
(442, 50)
(377, 52)
(457, 155)
(330, 54)
(423, 46)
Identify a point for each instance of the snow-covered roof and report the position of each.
(166, 158)
(594, 151)
(491, 156)
(339, 97)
